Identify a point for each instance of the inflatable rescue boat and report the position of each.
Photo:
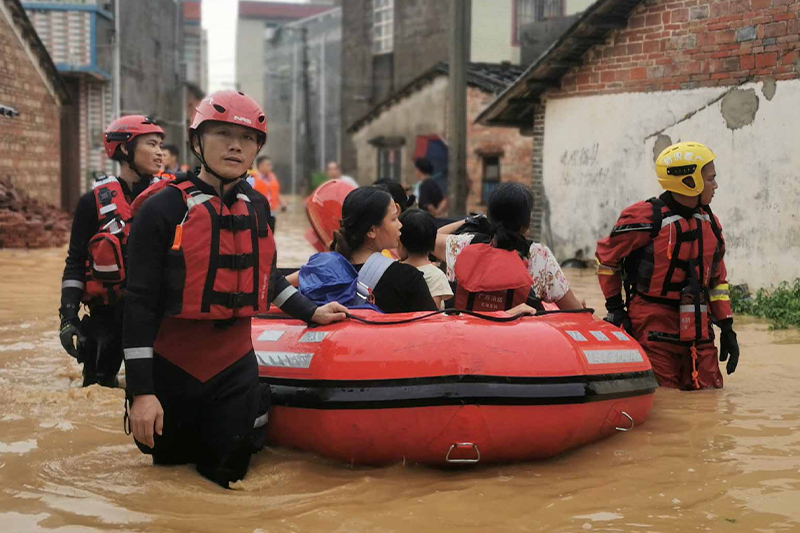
(438, 388)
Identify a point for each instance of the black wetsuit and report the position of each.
(101, 354)
(209, 422)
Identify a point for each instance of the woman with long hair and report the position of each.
(509, 214)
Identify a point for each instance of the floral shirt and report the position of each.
(549, 283)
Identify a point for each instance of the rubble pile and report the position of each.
(28, 223)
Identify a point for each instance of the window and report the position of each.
(491, 177)
(382, 26)
(389, 163)
(527, 11)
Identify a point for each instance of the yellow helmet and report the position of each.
(679, 167)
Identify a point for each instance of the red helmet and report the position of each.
(233, 107)
(124, 129)
(324, 210)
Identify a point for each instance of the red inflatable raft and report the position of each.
(450, 388)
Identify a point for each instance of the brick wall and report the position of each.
(29, 143)
(514, 149)
(671, 45)
(537, 172)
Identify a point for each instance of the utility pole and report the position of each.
(460, 20)
(116, 73)
(309, 165)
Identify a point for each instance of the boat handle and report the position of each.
(463, 445)
(626, 415)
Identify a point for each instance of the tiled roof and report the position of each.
(191, 10)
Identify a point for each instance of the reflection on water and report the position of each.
(724, 460)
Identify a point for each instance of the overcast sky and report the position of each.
(219, 19)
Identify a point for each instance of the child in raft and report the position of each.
(417, 241)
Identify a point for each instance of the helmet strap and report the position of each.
(129, 159)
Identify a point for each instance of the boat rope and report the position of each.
(481, 316)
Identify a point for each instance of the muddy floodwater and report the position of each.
(722, 461)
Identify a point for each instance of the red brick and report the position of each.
(639, 73)
(766, 60)
(636, 22)
(720, 76)
(653, 20)
(783, 16)
(725, 37)
(635, 48)
(777, 29)
(607, 77)
(665, 16)
(652, 46)
(760, 4)
(680, 15)
(622, 75)
(790, 58)
(780, 3)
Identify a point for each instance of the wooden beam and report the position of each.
(605, 22)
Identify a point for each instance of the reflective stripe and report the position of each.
(620, 336)
(669, 220)
(72, 284)
(105, 268)
(243, 197)
(599, 335)
(702, 216)
(576, 335)
(261, 421)
(107, 208)
(270, 335)
(284, 359)
(285, 294)
(719, 293)
(603, 270)
(138, 353)
(690, 309)
(197, 199)
(103, 181)
(607, 357)
(313, 336)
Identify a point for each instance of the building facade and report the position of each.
(403, 127)
(634, 77)
(195, 45)
(388, 43)
(79, 37)
(32, 94)
(256, 24)
(302, 83)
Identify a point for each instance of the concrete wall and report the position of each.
(753, 129)
(421, 113)
(420, 41)
(250, 35)
(424, 112)
(151, 43)
(491, 32)
(29, 143)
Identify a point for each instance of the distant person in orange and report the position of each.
(266, 182)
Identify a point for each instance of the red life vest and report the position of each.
(220, 262)
(157, 184)
(661, 269)
(105, 264)
(490, 279)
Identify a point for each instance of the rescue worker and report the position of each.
(668, 252)
(202, 263)
(95, 266)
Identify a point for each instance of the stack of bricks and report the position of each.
(28, 223)
(670, 45)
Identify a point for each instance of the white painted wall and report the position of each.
(598, 158)
(491, 31)
(421, 112)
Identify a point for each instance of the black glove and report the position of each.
(617, 314)
(728, 345)
(70, 328)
